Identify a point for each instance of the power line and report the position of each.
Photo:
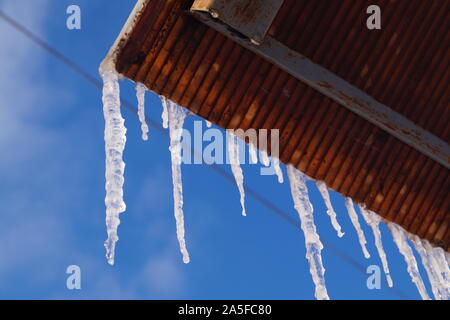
(130, 107)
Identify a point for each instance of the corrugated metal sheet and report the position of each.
(405, 66)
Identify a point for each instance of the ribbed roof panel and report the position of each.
(405, 66)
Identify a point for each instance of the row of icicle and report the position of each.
(435, 260)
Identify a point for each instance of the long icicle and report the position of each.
(140, 94)
(115, 139)
(436, 286)
(313, 244)
(374, 223)
(176, 117)
(354, 218)
(400, 238)
(322, 187)
(233, 152)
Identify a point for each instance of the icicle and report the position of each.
(400, 239)
(253, 153)
(354, 218)
(140, 94)
(208, 124)
(233, 152)
(440, 267)
(312, 241)
(265, 160)
(165, 115)
(115, 139)
(433, 277)
(439, 256)
(276, 164)
(176, 117)
(330, 211)
(374, 223)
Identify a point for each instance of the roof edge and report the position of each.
(109, 62)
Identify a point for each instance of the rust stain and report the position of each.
(324, 139)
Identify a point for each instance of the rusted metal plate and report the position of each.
(340, 91)
(405, 66)
(252, 18)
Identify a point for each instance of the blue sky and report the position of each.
(52, 191)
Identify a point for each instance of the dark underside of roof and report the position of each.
(405, 66)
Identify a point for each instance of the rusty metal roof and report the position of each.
(405, 66)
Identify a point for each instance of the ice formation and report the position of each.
(374, 223)
(431, 267)
(115, 133)
(176, 117)
(354, 218)
(165, 114)
(400, 238)
(322, 187)
(253, 153)
(115, 139)
(279, 173)
(312, 241)
(233, 152)
(441, 268)
(434, 260)
(140, 94)
(265, 160)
